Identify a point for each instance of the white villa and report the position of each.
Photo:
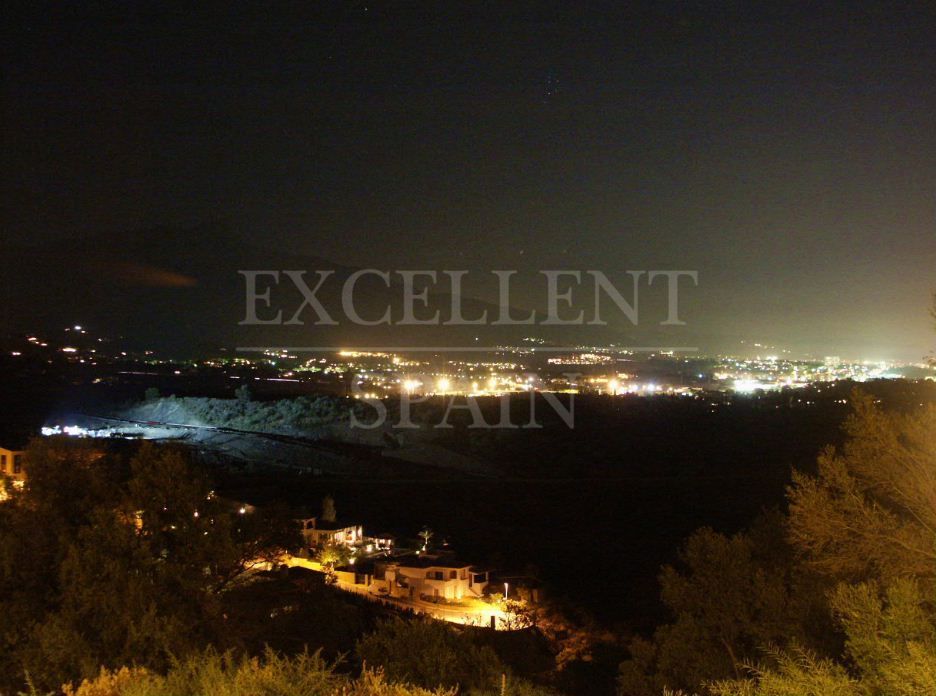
(425, 576)
(318, 533)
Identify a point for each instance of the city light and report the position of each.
(747, 386)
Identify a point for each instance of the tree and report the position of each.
(866, 521)
(518, 615)
(795, 672)
(430, 653)
(731, 597)
(328, 509)
(331, 555)
(106, 560)
(890, 648)
(243, 393)
(871, 510)
(66, 480)
(196, 532)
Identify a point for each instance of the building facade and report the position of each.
(11, 469)
(428, 577)
(318, 533)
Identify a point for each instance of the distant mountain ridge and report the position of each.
(180, 290)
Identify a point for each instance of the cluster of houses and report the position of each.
(377, 567)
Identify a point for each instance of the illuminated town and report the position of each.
(502, 370)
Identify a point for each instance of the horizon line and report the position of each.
(476, 349)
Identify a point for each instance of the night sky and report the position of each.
(788, 154)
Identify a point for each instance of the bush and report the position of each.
(430, 653)
(213, 674)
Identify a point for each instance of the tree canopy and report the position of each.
(867, 521)
(115, 559)
(847, 611)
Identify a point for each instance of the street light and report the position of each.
(506, 590)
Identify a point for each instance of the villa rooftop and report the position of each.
(444, 560)
(332, 525)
